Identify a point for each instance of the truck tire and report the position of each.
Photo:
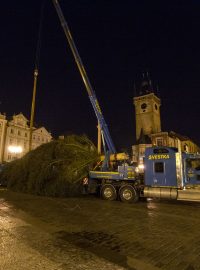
(128, 194)
(108, 192)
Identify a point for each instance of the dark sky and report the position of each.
(117, 41)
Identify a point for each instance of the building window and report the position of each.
(19, 132)
(159, 141)
(25, 134)
(142, 152)
(159, 167)
(186, 147)
(12, 131)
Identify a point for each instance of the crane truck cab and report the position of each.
(170, 174)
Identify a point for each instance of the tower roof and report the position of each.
(145, 87)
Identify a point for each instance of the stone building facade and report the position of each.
(148, 125)
(3, 126)
(15, 137)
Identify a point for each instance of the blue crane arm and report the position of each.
(106, 138)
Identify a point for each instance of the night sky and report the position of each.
(117, 41)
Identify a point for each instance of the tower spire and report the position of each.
(135, 90)
(146, 85)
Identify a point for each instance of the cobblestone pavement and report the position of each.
(89, 233)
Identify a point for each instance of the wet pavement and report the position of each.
(89, 233)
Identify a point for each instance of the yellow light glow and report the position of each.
(15, 149)
(141, 166)
(137, 170)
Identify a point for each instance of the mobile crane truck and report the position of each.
(168, 173)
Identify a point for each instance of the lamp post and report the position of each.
(37, 58)
(33, 107)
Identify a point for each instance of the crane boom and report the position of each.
(106, 138)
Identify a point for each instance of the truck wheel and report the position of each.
(108, 192)
(128, 194)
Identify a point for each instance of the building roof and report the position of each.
(143, 139)
(42, 130)
(173, 134)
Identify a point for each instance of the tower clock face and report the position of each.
(143, 106)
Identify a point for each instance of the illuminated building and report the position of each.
(148, 124)
(15, 136)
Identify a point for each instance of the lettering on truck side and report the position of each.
(153, 157)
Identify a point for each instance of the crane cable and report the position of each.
(37, 60)
(38, 48)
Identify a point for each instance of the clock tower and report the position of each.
(147, 110)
